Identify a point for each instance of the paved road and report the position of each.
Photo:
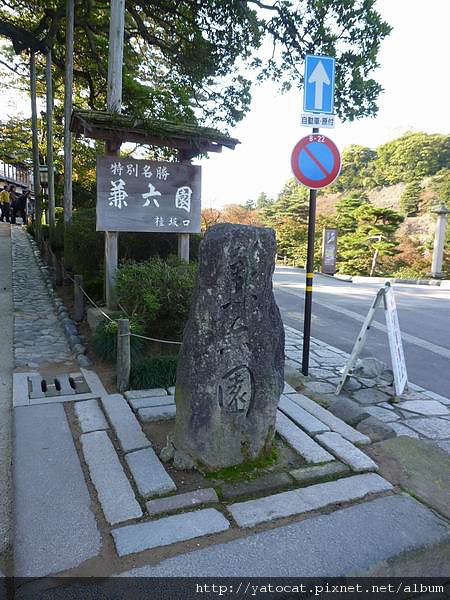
(339, 309)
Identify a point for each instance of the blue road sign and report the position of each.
(319, 84)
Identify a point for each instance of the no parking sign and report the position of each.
(316, 161)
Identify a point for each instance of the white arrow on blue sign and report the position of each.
(319, 84)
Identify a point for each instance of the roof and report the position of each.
(154, 132)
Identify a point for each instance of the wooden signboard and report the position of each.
(147, 195)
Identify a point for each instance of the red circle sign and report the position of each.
(316, 161)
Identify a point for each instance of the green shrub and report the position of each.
(149, 373)
(409, 273)
(104, 341)
(409, 200)
(157, 293)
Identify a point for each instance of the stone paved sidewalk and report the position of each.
(418, 413)
(38, 335)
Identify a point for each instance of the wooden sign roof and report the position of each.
(153, 132)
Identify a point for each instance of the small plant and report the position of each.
(104, 341)
(409, 273)
(159, 371)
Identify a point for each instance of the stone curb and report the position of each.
(68, 325)
(444, 283)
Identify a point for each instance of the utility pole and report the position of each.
(51, 173)
(68, 85)
(35, 146)
(114, 104)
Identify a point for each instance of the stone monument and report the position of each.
(231, 364)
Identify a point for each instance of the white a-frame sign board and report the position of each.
(385, 295)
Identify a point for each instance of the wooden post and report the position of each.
(114, 104)
(123, 355)
(78, 298)
(68, 85)
(183, 246)
(35, 145)
(51, 173)
(185, 156)
(58, 269)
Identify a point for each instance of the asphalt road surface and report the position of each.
(339, 309)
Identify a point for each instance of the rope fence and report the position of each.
(124, 334)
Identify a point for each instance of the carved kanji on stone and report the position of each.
(231, 364)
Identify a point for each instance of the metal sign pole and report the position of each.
(309, 277)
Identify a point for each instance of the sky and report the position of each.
(413, 71)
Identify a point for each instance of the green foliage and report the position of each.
(158, 293)
(409, 273)
(250, 469)
(412, 156)
(358, 167)
(346, 218)
(440, 184)
(181, 58)
(104, 341)
(374, 235)
(148, 373)
(409, 200)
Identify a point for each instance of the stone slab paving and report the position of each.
(186, 500)
(334, 423)
(347, 452)
(137, 403)
(433, 428)
(300, 416)
(114, 491)
(295, 502)
(126, 426)
(90, 416)
(149, 474)
(157, 413)
(406, 539)
(408, 415)
(38, 335)
(168, 530)
(55, 528)
(301, 442)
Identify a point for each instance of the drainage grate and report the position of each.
(64, 384)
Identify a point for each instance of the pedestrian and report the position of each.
(12, 204)
(20, 206)
(4, 201)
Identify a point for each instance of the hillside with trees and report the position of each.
(381, 204)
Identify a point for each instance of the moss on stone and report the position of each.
(249, 469)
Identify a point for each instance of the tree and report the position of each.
(263, 201)
(181, 57)
(346, 217)
(374, 236)
(412, 156)
(357, 170)
(409, 200)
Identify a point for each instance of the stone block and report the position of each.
(137, 403)
(132, 394)
(333, 422)
(377, 430)
(114, 491)
(348, 411)
(383, 414)
(149, 473)
(300, 416)
(402, 429)
(90, 416)
(270, 482)
(300, 441)
(168, 530)
(347, 452)
(157, 413)
(125, 424)
(187, 500)
(288, 389)
(302, 500)
(309, 474)
(370, 396)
